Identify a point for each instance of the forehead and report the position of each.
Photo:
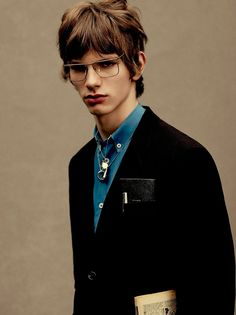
(93, 56)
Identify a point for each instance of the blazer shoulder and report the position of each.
(166, 133)
(187, 152)
(173, 142)
(179, 138)
(86, 151)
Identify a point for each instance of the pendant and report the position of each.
(100, 175)
(103, 171)
(104, 165)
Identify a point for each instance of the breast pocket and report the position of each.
(138, 196)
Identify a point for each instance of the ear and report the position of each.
(140, 67)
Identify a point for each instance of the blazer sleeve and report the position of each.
(206, 262)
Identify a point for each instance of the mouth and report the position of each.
(95, 98)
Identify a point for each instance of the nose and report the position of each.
(92, 78)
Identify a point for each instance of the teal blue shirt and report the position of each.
(114, 149)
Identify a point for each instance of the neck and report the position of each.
(107, 124)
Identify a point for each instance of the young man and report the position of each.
(146, 204)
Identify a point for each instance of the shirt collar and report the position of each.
(121, 135)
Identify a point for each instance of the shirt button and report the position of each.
(92, 275)
(118, 145)
(100, 205)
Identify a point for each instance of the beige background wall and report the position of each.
(190, 82)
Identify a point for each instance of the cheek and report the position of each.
(124, 77)
(78, 89)
(123, 82)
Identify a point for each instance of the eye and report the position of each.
(78, 68)
(106, 64)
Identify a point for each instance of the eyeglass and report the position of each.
(104, 68)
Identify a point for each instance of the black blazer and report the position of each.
(179, 240)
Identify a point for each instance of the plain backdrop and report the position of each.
(190, 82)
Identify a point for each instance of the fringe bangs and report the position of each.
(94, 32)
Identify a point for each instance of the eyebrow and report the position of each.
(73, 61)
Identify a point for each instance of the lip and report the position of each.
(95, 98)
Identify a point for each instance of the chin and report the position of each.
(99, 109)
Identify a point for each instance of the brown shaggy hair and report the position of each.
(107, 26)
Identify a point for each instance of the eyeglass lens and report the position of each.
(104, 68)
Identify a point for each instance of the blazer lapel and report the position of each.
(86, 183)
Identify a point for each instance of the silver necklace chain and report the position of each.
(105, 163)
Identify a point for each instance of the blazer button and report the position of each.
(92, 275)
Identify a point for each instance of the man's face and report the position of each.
(105, 95)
